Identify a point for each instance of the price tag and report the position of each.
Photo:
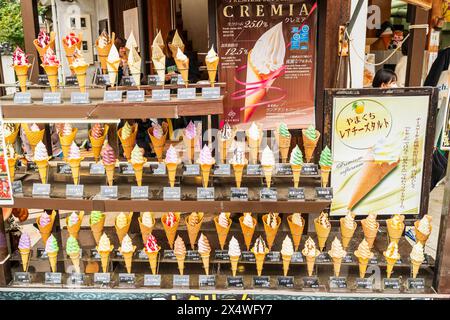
(139, 192)
(283, 169)
(43, 80)
(77, 279)
(391, 284)
(136, 96)
(151, 280)
(95, 254)
(109, 192)
(324, 193)
(286, 282)
(273, 256)
(235, 282)
(17, 187)
(41, 254)
(338, 283)
(126, 168)
(297, 257)
(248, 256)
(51, 98)
(193, 255)
(191, 170)
(127, 279)
(53, 278)
(373, 260)
(296, 194)
(103, 80)
(180, 281)
(170, 193)
(64, 168)
(186, 94)
(239, 194)
(207, 281)
(152, 80)
(268, 194)
(211, 93)
(364, 284)
(41, 190)
(348, 259)
(323, 257)
(261, 282)
(222, 170)
(79, 98)
(71, 81)
(128, 81)
(221, 255)
(206, 194)
(310, 283)
(22, 98)
(22, 278)
(161, 95)
(310, 169)
(97, 169)
(159, 169)
(113, 96)
(74, 191)
(416, 285)
(102, 279)
(169, 255)
(254, 170)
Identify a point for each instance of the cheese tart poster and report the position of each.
(378, 146)
(268, 61)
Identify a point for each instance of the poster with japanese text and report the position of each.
(268, 61)
(378, 150)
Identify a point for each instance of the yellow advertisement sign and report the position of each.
(378, 148)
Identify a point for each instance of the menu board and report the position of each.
(268, 58)
(6, 197)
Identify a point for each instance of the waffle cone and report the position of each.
(46, 231)
(145, 231)
(394, 234)
(286, 262)
(268, 171)
(113, 70)
(222, 232)
(205, 260)
(234, 264)
(11, 139)
(158, 143)
(174, 48)
(74, 229)
(52, 75)
(22, 76)
(97, 143)
(171, 172)
(180, 261)
(183, 68)
(12, 167)
(363, 262)
(310, 146)
(260, 257)
(247, 232)
(238, 171)
(296, 231)
(80, 73)
(110, 168)
(310, 261)
(325, 175)
(284, 144)
(422, 238)
(270, 232)
(346, 233)
(153, 260)
(390, 265)
(97, 230)
(369, 234)
(75, 258)
(104, 256)
(128, 257)
(206, 170)
(43, 169)
(171, 232)
(66, 141)
(322, 233)
(51, 44)
(128, 144)
(25, 256)
(194, 230)
(71, 50)
(337, 266)
(53, 258)
(103, 53)
(121, 232)
(415, 267)
(212, 70)
(296, 172)
(34, 137)
(75, 168)
(138, 170)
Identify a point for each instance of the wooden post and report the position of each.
(30, 31)
(143, 29)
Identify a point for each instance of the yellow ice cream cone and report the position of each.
(159, 143)
(415, 267)
(104, 256)
(53, 258)
(46, 230)
(260, 257)
(97, 143)
(234, 264)
(268, 171)
(310, 146)
(52, 75)
(247, 231)
(138, 170)
(296, 171)
(322, 233)
(369, 234)
(363, 262)
(194, 230)
(346, 233)
(171, 172)
(270, 232)
(212, 71)
(296, 231)
(33, 137)
(180, 261)
(205, 260)
(128, 143)
(325, 175)
(206, 170)
(310, 261)
(153, 260)
(97, 229)
(420, 237)
(25, 256)
(75, 168)
(22, 76)
(80, 72)
(222, 232)
(390, 263)
(75, 228)
(11, 139)
(171, 231)
(66, 142)
(238, 171)
(337, 266)
(145, 231)
(286, 263)
(121, 232)
(110, 168)
(128, 257)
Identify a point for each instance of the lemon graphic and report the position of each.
(358, 107)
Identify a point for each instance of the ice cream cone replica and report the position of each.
(11, 139)
(129, 143)
(180, 261)
(296, 231)
(346, 233)
(75, 258)
(153, 260)
(310, 261)
(80, 72)
(97, 144)
(12, 167)
(325, 175)
(234, 264)
(75, 228)
(369, 234)
(104, 256)
(46, 230)
(43, 50)
(171, 232)
(113, 70)
(415, 267)
(22, 75)
(310, 146)
(171, 172)
(284, 144)
(337, 266)
(271, 233)
(110, 168)
(212, 71)
(286, 262)
(390, 263)
(66, 142)
(296, 172)
(183, 68)
(205, 260)
(75, 165)
(268, 171)
(422, 238)
(158, 144)
(206, 170)
(52, 258)
(247, 232)
(363, 262)
(97, 229)
(322, 233)
(138, 170)
(34, 137)
(71, 50)
(394, 234)
(260, 257)
(52, 75)
(194, 230)
(145, 231)
(103, 52)
(128, 257)
(238, 172)
(222, 232)
(121, 232)
(25, 256)
(43, 169)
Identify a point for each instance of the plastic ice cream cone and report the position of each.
(296, 231)
(52, 258)
(247, 231)
(110, 168)
(75, 168)
(138, 170)
(121, 232)
(128, 257)
(325, 175)
(12, 167)
(43, 170)
(394, 234)
(205, 260)
(296, 171)
(284, 144)
(22, 76)
(171, 172)
(337, 266)
(180, 260)
(260, 257)
(97, 230)
(310, 261)
(113, 70)
(104, 256)
(80, 72)
(194, 230)
(74, 229)
(11, 139)
(42, 51)
(268, 171)
(52, 75)
(171, 232)
(158, 143)
(183, 68)
(422, 238)
(271, 233)
(222, 232)
(153, 260)
(286, 263)
(369, 234)
(415, 267)
(34, 137)
(310, 146)
(145, 231)
(97, 143)
(363, 262)
(66, 142)
(238, 171)
(129, 143)
(103, 53)
(322, 234)
(46, 230)
(71, 50)
(234, 264)
(390, 263)
(75, 258)
(25, 256)
(346, 233)
(212, 71)
(206, 170)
